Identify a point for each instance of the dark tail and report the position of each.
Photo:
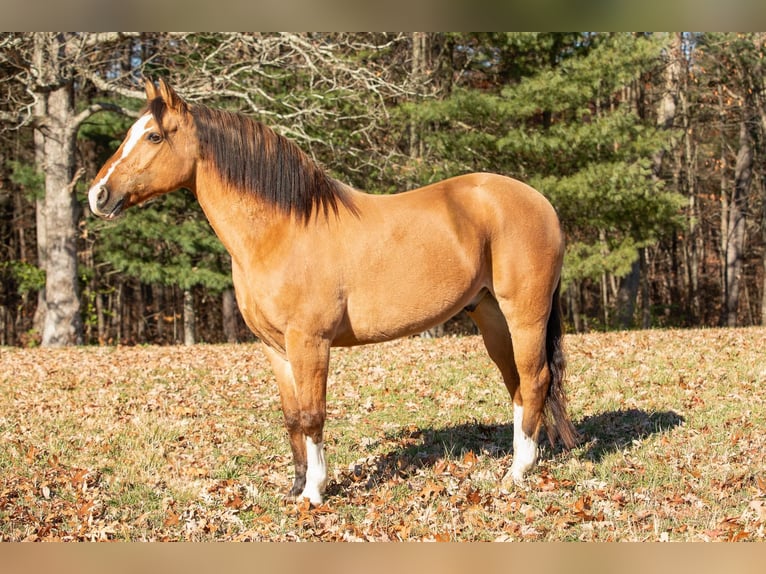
(556, 418)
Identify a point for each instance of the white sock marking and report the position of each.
(524, 448)
(134, 136)
(316, 472)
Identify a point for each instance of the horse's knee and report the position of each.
(312, 424)
(292, 421)
(307, 423)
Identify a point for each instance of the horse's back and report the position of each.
(500, 194)
(508, 212)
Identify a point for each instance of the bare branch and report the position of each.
(101, 107)
(111, 86)
(77, 177)
(99, 39)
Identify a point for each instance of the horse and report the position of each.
(317, 263)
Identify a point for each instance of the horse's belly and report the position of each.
(390, 314)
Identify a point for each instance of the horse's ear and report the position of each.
(172, 100)
(151, 89)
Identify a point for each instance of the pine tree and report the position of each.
(169, 243)
(566, 118)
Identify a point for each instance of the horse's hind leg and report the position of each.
(497, 339)
(529, 401)
(522, 363)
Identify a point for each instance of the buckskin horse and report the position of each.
(317, 264)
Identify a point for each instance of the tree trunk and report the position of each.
(140, 305)
(63, 323)
(626, 296)
(189, 318)
(759, 95)
(229, 307)
(117, 310)
(58, 211)
(694, 244)
(158, 295)
(418, 78)
(38, 322)
(763, 264)
(735, 237)
(573, 295)
(99, 299)
(646, 310)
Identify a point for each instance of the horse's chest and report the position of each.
(300, 296)
(255, 309)
(263, 325)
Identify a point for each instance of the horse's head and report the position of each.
(157, 156)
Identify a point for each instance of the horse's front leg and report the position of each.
(302, 378)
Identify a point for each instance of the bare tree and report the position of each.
(759, 96)
(735, 236)
(337, 78)
(746, 91)
(47, 65)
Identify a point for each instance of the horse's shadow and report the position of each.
(615, 431)
(600, 435)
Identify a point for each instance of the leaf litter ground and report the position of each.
(173, 443)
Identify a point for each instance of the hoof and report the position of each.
(294, 495)
(513, 477)
(313, 496)
(303, 502)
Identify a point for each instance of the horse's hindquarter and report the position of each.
(415, 259)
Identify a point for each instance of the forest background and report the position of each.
(650, 145)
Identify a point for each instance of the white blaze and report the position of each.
(316, 472)
(134, 136)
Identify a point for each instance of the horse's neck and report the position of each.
(241, 220)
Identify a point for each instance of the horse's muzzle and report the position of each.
(103, 204)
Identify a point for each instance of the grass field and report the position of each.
(173, 443)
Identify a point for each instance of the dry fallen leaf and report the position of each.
(171, 519)
(470, 458)
(473, 497)
(759, 507)
(431, 489)
(234, 501)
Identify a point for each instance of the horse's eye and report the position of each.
(154, 137)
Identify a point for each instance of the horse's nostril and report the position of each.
(102, 196)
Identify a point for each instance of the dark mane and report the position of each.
(253, 158)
